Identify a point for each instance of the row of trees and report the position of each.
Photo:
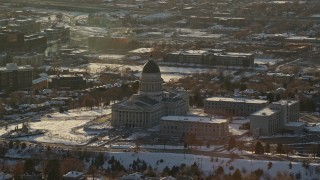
(280, 149)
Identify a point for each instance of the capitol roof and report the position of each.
(151, 67)
(199, 119)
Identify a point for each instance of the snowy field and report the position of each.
(59, 131)
(62, 127)
(210, 164)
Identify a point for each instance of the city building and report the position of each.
(103, 43)
(67, 82)
(233, 106)
(202, 127)
(145, 109)
(279, 116)
(13, 77)
(35, 43)
(11, 40)
(33, 59)
(26, 26)
(57, 33)
(211, 57)
(3, 59)
(16, 41)
(40, 83)
(233, 59)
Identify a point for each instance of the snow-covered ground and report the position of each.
(60, 127)
(210, 164)
(59, 131)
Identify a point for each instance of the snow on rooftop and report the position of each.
(241, 100)
(234, 130)
(200, 119)
(142, 50)
(295, 124)
(264, 112)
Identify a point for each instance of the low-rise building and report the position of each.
(233, 106)
(67, 82)
(212, 58)
(33, 59)
(26, 26)
(57, 33)
(202, 127)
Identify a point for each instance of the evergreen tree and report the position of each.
(219, 171)
(269, 165)
(259, 148)
(280, 149)
(29, 166)
(267, 148)
(258, 173)
(237, 175)
(232, 143)
(52, 170)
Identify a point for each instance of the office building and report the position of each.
(233, 106)
(203, 128)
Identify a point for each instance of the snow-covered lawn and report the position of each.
(77, 114)
(210, 164)
(60, 126)
(59, 131)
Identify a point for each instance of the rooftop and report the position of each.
(285, 102)
(264, 112)
(12, 67)
(243, 100)
(200, 119)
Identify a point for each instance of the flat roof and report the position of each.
(16, 68)
(233, 54)
(141, 50)
(264, 112)
(190, 52)
(285, 102)
(295, 124)
(242, 100)
(200, 119)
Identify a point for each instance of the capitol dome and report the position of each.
(151, 81)
(151, 67)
